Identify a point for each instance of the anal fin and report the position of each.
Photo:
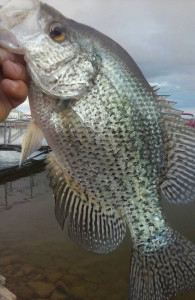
(96, 228)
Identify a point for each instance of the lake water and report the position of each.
(41, 262)
(9, 159)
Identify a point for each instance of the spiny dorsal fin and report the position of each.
(178, 184)
(155, 88)
(32, 141)
(95, 228)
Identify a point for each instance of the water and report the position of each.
(36, 253)
(12, 158)
(41, 262)
(9, 159)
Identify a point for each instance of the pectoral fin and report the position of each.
(32, 140)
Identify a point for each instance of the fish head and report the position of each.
(57, 62)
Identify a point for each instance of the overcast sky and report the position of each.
(159, 35)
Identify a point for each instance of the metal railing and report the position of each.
(8, 125)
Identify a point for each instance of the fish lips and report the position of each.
(18, 23)
(9, 41)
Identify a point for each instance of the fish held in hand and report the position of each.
(116, 145)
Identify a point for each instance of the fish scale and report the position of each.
(95, 181)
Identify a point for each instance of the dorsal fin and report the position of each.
(178, 184)
(32, 140)
(96, 228)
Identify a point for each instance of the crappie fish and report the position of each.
(116, 145)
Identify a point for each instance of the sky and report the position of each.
(159, 35)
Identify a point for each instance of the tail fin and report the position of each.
(161, 274)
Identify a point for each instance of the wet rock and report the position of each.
(63, 288)
(78, 272)
(7, 260)
(100, 294)
(58, 296)
(8, 270)
(120, 285)
(42, 289)
(38, 277)
(70, 279)
(54, 277)
(91, 288)
(27, 269)
(78, 292)
(113, 297)
(18, 274)
(23, 291)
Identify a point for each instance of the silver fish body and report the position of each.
(105, 156)
(115, 144)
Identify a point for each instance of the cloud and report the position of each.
(158, 35)
(164, 84)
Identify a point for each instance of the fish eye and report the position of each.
(57, 33)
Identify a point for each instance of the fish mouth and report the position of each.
(9, 42)
(18, 21)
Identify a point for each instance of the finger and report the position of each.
(20, 59)
(5, 55)
(15, 90)
(14, 71)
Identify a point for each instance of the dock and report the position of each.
(8, 134)
(17, 147)
(29, 168)
(11, 139)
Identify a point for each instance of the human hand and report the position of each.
(13, 82)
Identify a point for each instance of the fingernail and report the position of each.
(18, 69)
